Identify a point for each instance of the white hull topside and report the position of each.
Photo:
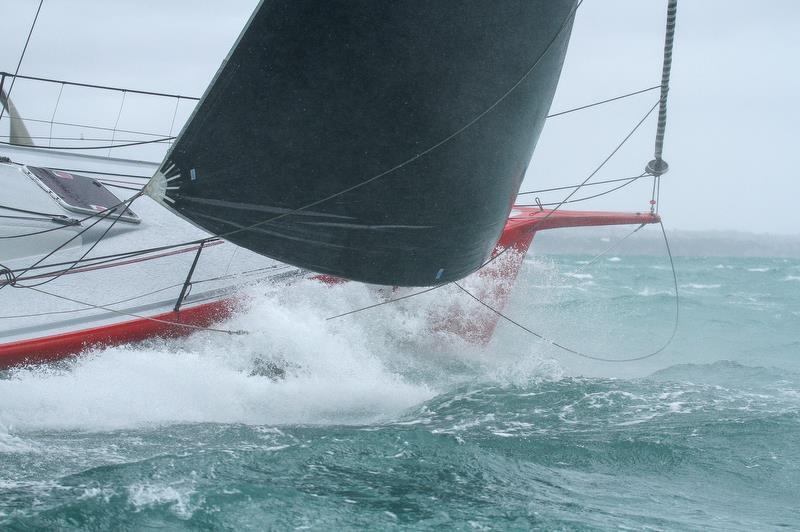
(139, 288)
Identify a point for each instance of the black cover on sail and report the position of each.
(378, 141)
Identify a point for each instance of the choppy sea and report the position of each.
(379, 421)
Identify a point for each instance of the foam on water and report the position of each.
(293, 366)
(580, 275)
(381, 420)
(330, 377)
(699, 286)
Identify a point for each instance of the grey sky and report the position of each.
(732, 130)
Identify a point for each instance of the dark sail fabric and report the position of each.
(378, 141)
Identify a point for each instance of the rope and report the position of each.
(567, 187)
(490, 260)
(139, 296)
(116, 123)
(612, 247)
(596, 170)
(601, 102)
(21, 57)
(86, 126)
(171, 138)
(76, 310)
(431, 289)
(586, 355)
(53, 116)
(656, 167)
(77, 222)
(95, 261)
(501, 253)
(103, 87)
(614, 152)
(107, 213)
(586, 198)
(132, 315)
(106, 147)
(26, 211)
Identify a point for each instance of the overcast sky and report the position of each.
(732, 133)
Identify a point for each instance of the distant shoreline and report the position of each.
(650, 242)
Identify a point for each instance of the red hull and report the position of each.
(170, 324)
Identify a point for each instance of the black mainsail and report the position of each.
(382, 142)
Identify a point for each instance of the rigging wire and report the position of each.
(586, 198)
(656, 167)
(95, 261)
(503, 251)
(21, 57)
(610, 248)
(53, 116)
(596, 170)
(77, 222)
(104, 87)
(160, 248)
(601, 102)
(431, 289)
(84, 126)
(170, 137)
(108, 212)
(605, 161)
(76, 139)
(237, 275)
(492, 259)
(567, 187)
(106, 147)
(85, 309)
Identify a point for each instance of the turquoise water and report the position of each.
(377, 422)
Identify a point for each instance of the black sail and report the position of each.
(378, 141)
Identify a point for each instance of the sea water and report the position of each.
(381, 421)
